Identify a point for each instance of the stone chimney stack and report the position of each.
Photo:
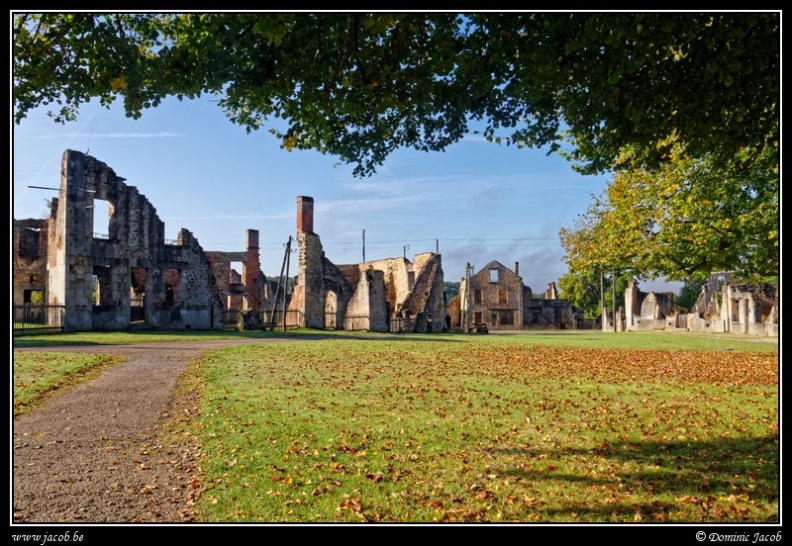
(305, 207)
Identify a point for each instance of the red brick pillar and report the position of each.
(250, 270)
(305, 207)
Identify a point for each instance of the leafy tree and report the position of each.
(360, 85)
(582, 289)
(689, 293)
(586, 290)
(683, 220)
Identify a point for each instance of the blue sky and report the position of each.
(477, 201)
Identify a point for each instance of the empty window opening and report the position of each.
(137, 294)
(236, 290)
(493, 274)
(101, 295)
(172, 287)
(102, 210)
(33, 296)
(29, 241)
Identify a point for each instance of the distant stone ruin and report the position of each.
(393, 294)
(724, 306)
(495, 298)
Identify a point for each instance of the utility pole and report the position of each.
(437, 246)
(406, 248)
(277, 289)
(286, 284)
(467, 297)
(364, 245)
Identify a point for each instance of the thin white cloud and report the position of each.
(161, 134)
(368, 205)
(273, 216)
(380, 188)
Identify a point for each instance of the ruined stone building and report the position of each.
(247, 290)
(30, 260)
(723, 306)
(129, 276)
(497, 298)
(378, 296)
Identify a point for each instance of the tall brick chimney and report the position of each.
(305, 207)
(251, 269)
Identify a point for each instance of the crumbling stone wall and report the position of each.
(495, 297)
(109, 281)
(362, 296)
(29, 260)
(722, 306)
(367, 308)
(246, 289)
(649, 310)
(498, 299)
(750, 310)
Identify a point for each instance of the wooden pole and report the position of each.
(286, 285)
(277, 290)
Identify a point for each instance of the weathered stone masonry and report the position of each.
(723, 306)
(130, 275)
(365, 296)
(497, 298)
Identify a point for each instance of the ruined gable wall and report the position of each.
(135, 239)
(29, 257)
(132, 254)
(505, 296)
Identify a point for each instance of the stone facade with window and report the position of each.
(497, 298)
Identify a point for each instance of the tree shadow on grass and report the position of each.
(702, 473)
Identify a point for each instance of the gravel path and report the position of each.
(90, 454)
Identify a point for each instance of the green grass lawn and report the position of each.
(36, 374)
(579, 427)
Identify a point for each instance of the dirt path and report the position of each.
(90, 454)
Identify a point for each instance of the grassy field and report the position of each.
(40, 373)
(551, 427)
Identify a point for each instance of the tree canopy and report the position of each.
(684, 220)
(359, 85)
